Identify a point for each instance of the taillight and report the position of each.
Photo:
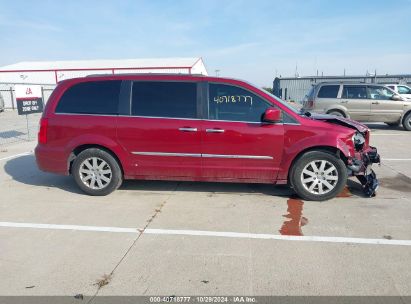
(309, 104)
(42, 135)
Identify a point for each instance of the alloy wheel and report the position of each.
(95, 173)
(319, 177)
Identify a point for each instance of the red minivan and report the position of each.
(103, 129)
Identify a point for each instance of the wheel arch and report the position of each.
(405, 115)
(340, 110)
(329, 149)
(77, 150)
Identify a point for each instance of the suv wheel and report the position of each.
(406, 123)
(97, 172)
(336, 113)
(318, 176)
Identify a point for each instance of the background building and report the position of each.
(295, 88)
(49, 73)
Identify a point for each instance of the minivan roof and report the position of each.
(146, 74)
(154, 76)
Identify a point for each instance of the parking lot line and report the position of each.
(397, 159)
(68, 227)
(389, 134)
(327, 239)
(16, 155)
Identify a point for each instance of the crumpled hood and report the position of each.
(345, 122)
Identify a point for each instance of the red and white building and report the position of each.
(51, 72)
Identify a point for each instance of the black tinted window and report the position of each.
(328, 91)
(235, 104)
(165, 99)
(354, 92)
(99, 97)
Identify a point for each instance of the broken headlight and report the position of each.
(358, 140)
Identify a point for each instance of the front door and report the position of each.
(162, 134)
(383, 108)
(354, 98)
(235, 143)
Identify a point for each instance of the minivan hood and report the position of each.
(345, 122)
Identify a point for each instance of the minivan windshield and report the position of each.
(283, 102)
(286, 104)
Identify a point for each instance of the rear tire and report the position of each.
(97, 172)
(336, 113)
(318, 176)
(406, 122)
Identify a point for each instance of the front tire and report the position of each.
(406, 122)
(97, 172)
(318, 176)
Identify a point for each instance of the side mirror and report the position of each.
(396, 97)
(272, 115)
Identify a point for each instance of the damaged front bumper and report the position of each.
(360, 166)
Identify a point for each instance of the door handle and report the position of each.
(188, 129)
(375, 102)
(344, 101)
(215, 130)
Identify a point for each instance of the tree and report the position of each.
(269, 90)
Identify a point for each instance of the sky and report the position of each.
(255, 40)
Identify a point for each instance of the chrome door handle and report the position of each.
(188, 129)
(376, 102)
(344, 101)
(215, 130)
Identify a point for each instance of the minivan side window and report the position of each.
(328, 91)
(354, 92)
(380, 93)
(164, 99)
(92, 97)
(227, 102)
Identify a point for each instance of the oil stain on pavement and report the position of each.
(294, 219)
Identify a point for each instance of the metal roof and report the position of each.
(107, 63)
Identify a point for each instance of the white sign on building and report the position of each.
(27, 91)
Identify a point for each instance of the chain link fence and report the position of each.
(17, 128)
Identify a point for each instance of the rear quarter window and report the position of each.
(96, 97)
(328, 91)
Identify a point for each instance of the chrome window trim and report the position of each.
(158, 117)
(86, 114)
(203, 155)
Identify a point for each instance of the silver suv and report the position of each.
(1, 103)
(359, 101)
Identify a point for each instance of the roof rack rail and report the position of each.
(146, 74)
